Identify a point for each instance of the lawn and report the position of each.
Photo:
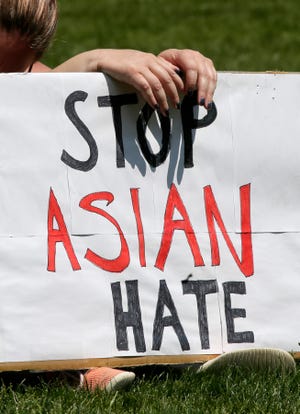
(246, 36)
(163, 392)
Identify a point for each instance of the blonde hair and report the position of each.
(35, 20)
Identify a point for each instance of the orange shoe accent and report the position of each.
(105, 378)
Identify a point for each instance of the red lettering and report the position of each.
(58, 235)
(121, 262)
(139, 225)
(213, 214)
(170, 225)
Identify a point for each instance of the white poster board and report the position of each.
(110, 248)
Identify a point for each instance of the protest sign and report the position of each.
(129, 236)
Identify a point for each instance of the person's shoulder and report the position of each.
(40, 67)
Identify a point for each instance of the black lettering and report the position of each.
(201, 288)
(145, 114)
(84, 132)
(160, 321)
(116, 102)
(131, 318)
(189, 123)
(238, 288)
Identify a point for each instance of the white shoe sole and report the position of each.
(120, 381)
(260, 359)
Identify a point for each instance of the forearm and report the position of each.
(89, 61)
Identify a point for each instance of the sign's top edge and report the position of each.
(268, 72)
(73, 74)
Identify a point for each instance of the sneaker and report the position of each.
(105, 378)
(260, 359)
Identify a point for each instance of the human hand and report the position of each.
(155, 77)
(198, 72)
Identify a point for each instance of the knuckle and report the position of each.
(145, 87)
(132, 74)
(209, 61)
(157, 87)
(168, 81)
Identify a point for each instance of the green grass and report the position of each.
(251, 35)
(167, 392)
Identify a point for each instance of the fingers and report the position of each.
(200, 75)
(206, 83)
(171, 81)
(159, 83)
(199, 72)
(151, 90)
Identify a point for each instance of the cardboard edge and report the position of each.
(80, 364)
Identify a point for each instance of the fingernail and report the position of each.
(202, 101)
(156, 107)
(190, 93)
(209, 105)
(167, 113)
(177, 105)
